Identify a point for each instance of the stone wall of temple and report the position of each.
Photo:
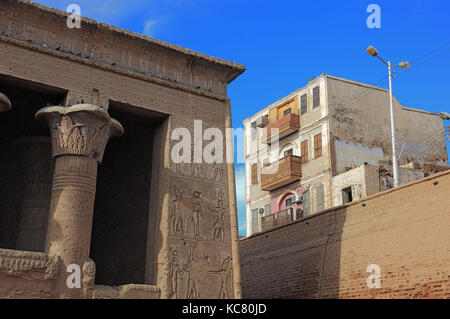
(191, 241)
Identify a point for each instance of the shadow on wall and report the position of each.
(299, 260)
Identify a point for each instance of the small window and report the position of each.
(347, 195)
(288, 152)
(304, 150)
(316, 97)
(304, 103)
(317, 145)
(287, 112)
(254, 174)
(253, 131)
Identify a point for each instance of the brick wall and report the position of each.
(405, 231)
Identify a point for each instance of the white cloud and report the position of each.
(149, 27)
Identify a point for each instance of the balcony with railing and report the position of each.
(281, 217)
(280, 173)
(287, 125)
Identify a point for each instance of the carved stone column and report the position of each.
(34, 157)
(5, 103)
(79, 136)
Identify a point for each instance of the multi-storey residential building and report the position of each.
(296, 146)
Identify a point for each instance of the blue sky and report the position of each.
(283, 43)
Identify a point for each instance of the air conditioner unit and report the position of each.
(298, 199)
(262, 121)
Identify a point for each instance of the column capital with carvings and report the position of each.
(82, 129)
(5, 103)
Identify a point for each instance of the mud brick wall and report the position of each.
(405, 231)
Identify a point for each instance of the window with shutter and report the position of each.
(287, 112)
(304, 150)
(316, 97)
(317, 145)
(304, 104)
(254, 174)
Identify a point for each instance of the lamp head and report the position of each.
(372, 51)
(404, 64)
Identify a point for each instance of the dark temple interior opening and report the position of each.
(26, 164)
(121, 213)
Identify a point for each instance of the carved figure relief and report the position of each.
(186, 214)
(195, 170)
(218, 226)
(88, 272)
(218, 171)
(191, 282)
(174, 275)
(184, 273)
(225, 275)
(177, 220)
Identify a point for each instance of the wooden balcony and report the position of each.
(281, 173)
(286, 126)
(280, 218)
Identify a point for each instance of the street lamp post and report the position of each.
(404, 65)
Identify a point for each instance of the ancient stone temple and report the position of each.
(88, 184)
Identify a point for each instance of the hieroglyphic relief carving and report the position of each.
(88, 280)
(186, 214)
(218, 172)
(219, 230)
(196, 170)
(176, 220)
(197, 212)
(214, 172)
(178, 273)
(34, 264)
(191, 281)
(225, 278)
(188, 275)
(174, 275)
(36, 169)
